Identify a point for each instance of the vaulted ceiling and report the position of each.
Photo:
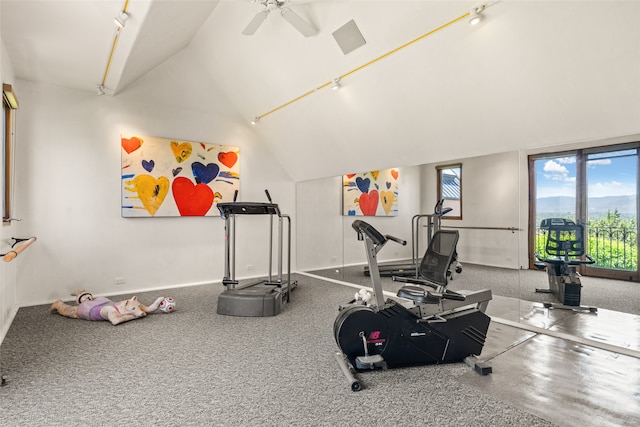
(531, 74)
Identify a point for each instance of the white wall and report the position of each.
(68, 163)
(326, 238)
(8, 300)
(490, 199)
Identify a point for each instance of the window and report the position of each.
(597, 188)
(450, 189)
(9, 104)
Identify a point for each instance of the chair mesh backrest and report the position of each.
(439, 256)
(565, 240)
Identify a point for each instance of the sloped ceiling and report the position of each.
(532, 74)
(69, 42)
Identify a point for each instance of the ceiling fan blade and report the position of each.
(298, 23)
(255, 23)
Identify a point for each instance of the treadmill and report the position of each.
(410, 269)
(265, 297)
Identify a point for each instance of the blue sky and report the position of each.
(608, 174)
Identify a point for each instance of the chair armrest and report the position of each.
(414, 281)
(419, 295)
(449, 294)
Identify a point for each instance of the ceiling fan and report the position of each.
(305, 28)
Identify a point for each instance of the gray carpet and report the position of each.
(194, 367)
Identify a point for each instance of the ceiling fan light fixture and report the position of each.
(121, 19)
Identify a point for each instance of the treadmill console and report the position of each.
(248, 208)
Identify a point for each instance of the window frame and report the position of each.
(439, 170)
(9, 106)
(582, 155)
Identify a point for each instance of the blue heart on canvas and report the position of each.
(204, 174)
(363, 184)
(176, 171)
(148, 165)
(351, 213)
(388, 185)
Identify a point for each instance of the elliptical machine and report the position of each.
(565, 245)
(429, 324)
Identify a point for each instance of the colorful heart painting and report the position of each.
(191, 199)
(370, 193)
(131, 144)
(171, 178)
(369, 203)
(204, 174)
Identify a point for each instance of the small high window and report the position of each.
(450, 189)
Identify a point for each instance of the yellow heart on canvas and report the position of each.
(151, 191)
(181, 150)
(386, 200)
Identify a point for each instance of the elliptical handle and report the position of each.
(438, 207)
(395, 239)
(589, 260)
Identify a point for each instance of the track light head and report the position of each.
(475, 14)
(121, 19)
(100, 90)
(255, 120)
(336, 84)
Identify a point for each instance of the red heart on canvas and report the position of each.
(394, 174)
(228, 159)
(369, 203)
(351, 175)
(191, 199)
(131, 144)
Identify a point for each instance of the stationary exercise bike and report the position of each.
(565, 245)
(428, 324)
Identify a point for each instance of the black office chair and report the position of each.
(434, 271)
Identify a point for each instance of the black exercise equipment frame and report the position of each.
(428, 324)
(262, 298)
(565, 245)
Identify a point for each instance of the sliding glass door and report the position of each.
(598, 189)
(612, 213)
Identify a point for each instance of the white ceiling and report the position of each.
(68, 43)
(532, 74)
